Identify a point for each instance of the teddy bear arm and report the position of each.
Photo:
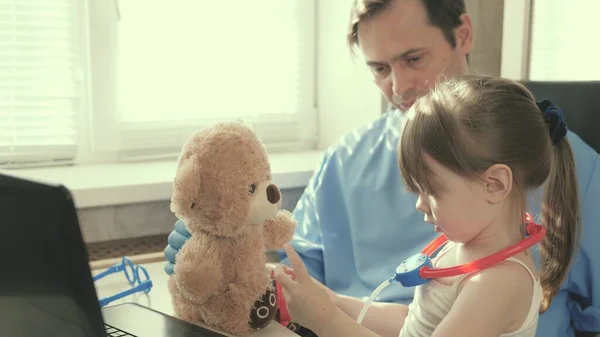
(279, 230)
(198, 277)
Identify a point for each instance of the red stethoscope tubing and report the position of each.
(536, 233)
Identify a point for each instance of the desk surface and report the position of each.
(159, 298)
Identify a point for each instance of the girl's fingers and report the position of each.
(289, 271)
(285, 280)
(299, 269)
(287, 296)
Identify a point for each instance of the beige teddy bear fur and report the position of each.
(224, 194)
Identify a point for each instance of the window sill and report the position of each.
(124, 183)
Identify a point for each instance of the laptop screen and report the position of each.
(46, 287)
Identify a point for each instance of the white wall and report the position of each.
(515, 39)
(487, 18)
(346, 96)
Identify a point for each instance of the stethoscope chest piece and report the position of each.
(408, 272)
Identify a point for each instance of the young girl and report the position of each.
(472, 150)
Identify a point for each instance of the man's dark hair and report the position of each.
(444, 14)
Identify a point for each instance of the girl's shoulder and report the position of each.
(519, 268)
(514, 282)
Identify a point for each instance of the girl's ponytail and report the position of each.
(560, 209)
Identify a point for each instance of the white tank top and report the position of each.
(433, 300)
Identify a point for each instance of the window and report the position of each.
(41, 82)
(101, 81)
(181, 65)
(563, 40)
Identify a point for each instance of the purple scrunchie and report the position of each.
(556, 121)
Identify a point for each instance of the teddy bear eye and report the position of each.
(252, 188)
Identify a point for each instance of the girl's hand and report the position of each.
(310, 303)
(335, 297)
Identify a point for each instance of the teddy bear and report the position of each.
(223, 192)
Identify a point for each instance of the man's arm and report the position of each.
(583, 283)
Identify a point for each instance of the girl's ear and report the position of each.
(497, 181)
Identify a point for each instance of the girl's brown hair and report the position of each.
(472, 122)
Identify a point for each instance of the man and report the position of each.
(356, 224)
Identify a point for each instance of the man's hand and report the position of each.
(177, 238)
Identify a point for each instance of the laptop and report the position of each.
(46, 286)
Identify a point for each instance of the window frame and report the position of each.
(77, 20)
(100, 141)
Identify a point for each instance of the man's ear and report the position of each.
(464, 34)
(497, 180)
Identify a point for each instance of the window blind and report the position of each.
(40, 82)
(186, 64)
(564, 37)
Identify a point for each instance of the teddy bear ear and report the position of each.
(186, 184)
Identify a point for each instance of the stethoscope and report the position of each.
(419, 269)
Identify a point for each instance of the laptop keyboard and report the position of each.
(114, 332)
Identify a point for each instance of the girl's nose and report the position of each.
(422, 205)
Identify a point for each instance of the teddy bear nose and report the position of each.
(273, 194)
